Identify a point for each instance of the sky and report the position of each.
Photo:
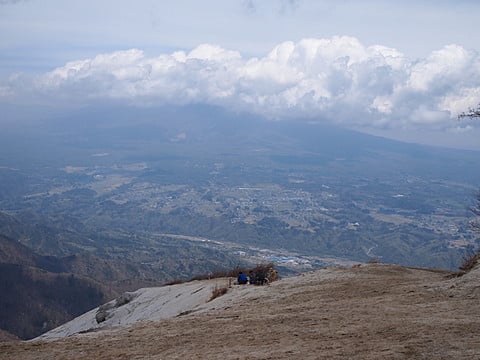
(401, 69)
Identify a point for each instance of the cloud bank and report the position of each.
(338, 80)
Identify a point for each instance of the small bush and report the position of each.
(263, 274)
(218, 291)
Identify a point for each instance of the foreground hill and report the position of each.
(369, 312)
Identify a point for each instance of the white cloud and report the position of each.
(337, 79)
(443, 66)
(457, 103)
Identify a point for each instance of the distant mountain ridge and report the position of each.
(37, 292)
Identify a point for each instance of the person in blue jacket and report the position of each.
(242, 278)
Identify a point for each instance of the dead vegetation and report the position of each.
(470, 260)
(268, 269)
(218, 291)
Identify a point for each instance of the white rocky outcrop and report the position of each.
(152, 304)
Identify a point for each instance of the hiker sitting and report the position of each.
(252, 278)
(242, 278)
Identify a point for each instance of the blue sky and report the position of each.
(403, 69)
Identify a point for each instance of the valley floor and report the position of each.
(369, 312)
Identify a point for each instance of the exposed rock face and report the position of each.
(106, 310)
(155, 304)
(467, 285)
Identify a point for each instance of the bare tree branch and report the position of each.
(471, 113)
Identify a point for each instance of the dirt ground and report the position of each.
(369, 312)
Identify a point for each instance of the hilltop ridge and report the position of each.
(372, 311)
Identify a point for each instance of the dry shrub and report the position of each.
(261, 268)
(470, 259)
(218, 291)
(268, 268)
(263, 274)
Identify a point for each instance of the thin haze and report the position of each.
(402, 69)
